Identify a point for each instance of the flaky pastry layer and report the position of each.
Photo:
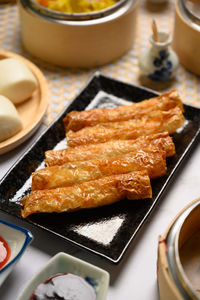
(154, 122)
(160, 141)
(77, 172)
(76, 120)
(103, 191)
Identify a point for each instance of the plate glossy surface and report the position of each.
(108, 230)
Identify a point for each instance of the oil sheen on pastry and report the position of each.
(161, 141)
(154, 122)
(103, 191)
(76, 120)
(77, 172)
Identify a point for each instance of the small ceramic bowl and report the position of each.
(18, 239)
(64, 263)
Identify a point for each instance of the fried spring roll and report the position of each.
(157, 121)
(104, 191)
(160, 141)
(77, 172)
(76, 120)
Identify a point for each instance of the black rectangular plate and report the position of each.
(108, 230)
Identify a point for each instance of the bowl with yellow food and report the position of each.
(78, 33)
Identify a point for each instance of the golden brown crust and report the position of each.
(104, 191)
(154, 122)
(77, 120)
(160, 141)
(116, 153)
(77, 172)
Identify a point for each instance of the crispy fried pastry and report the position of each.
(103, 191)
(76, 120)
(154, 122)
(77, 172)
(160, 141)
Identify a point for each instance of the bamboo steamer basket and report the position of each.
(78, 40)
(178, 259)
(186, 35)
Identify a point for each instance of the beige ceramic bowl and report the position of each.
(179, 256)
(78, 40)
(186, 41)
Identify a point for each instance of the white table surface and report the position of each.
(135, 276)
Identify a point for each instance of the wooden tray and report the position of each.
(32, 110)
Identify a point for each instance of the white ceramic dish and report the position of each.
(18, 239)
(64, 263)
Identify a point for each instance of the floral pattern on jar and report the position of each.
(159, 62)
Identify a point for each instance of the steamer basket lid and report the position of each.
(39, 9)
(192, 9)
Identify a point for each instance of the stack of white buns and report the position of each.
(17, 83)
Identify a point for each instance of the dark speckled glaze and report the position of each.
(107, 231)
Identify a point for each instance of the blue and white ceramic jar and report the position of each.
(159, 62)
